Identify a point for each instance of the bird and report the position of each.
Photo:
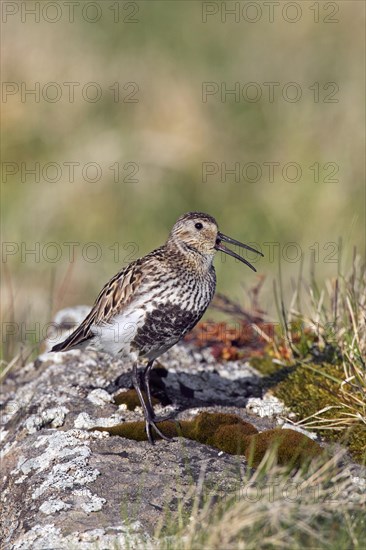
(151, 304)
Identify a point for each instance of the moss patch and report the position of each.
(292, 448)
(131, 399)
(136, 430)
(309, 390)
(264, 364)
(207, 424)
(230, 434)
(232, 439)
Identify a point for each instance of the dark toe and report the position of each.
(150, 425)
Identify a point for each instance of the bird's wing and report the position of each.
(113, 298)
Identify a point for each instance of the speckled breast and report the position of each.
(172, 312)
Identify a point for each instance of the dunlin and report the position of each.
(150, 305)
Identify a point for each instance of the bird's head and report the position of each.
(196, 232)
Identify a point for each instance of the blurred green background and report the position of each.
(167, 129)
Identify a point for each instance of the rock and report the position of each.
(267, 406)
(53, 417)
(65, 486)
(99, 397)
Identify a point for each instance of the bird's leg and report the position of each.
(146, 407)
(146, 380)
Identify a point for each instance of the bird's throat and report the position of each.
(189, 257)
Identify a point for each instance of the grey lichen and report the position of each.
(48, 536)
(62, 474)
(99, 397)
(84, 421)
(54, 505)
(53, 417)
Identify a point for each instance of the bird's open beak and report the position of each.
(219, 246)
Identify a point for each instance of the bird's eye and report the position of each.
(198, 225)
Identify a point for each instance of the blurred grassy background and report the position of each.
(169, 132)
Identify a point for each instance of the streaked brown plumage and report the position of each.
(152, 303)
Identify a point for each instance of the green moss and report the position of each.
(264, 364)
(230, 434)
(136, 430)
(206, 425)
(188, 429)
(291, 447)
(233, 438)
(355, 439)
(131, 399)
(307, 390)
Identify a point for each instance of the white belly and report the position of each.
(116, 336)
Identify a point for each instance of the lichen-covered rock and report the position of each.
(65, 486)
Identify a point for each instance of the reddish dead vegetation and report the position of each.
(245, 335)
(248, 334)
(231, 340)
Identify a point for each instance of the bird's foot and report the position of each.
(150, 419)
(150, 424)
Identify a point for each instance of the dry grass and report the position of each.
(338, 320)
(274, 508)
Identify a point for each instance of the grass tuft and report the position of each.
(272, 508)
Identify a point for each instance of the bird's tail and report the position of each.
(62, 346)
